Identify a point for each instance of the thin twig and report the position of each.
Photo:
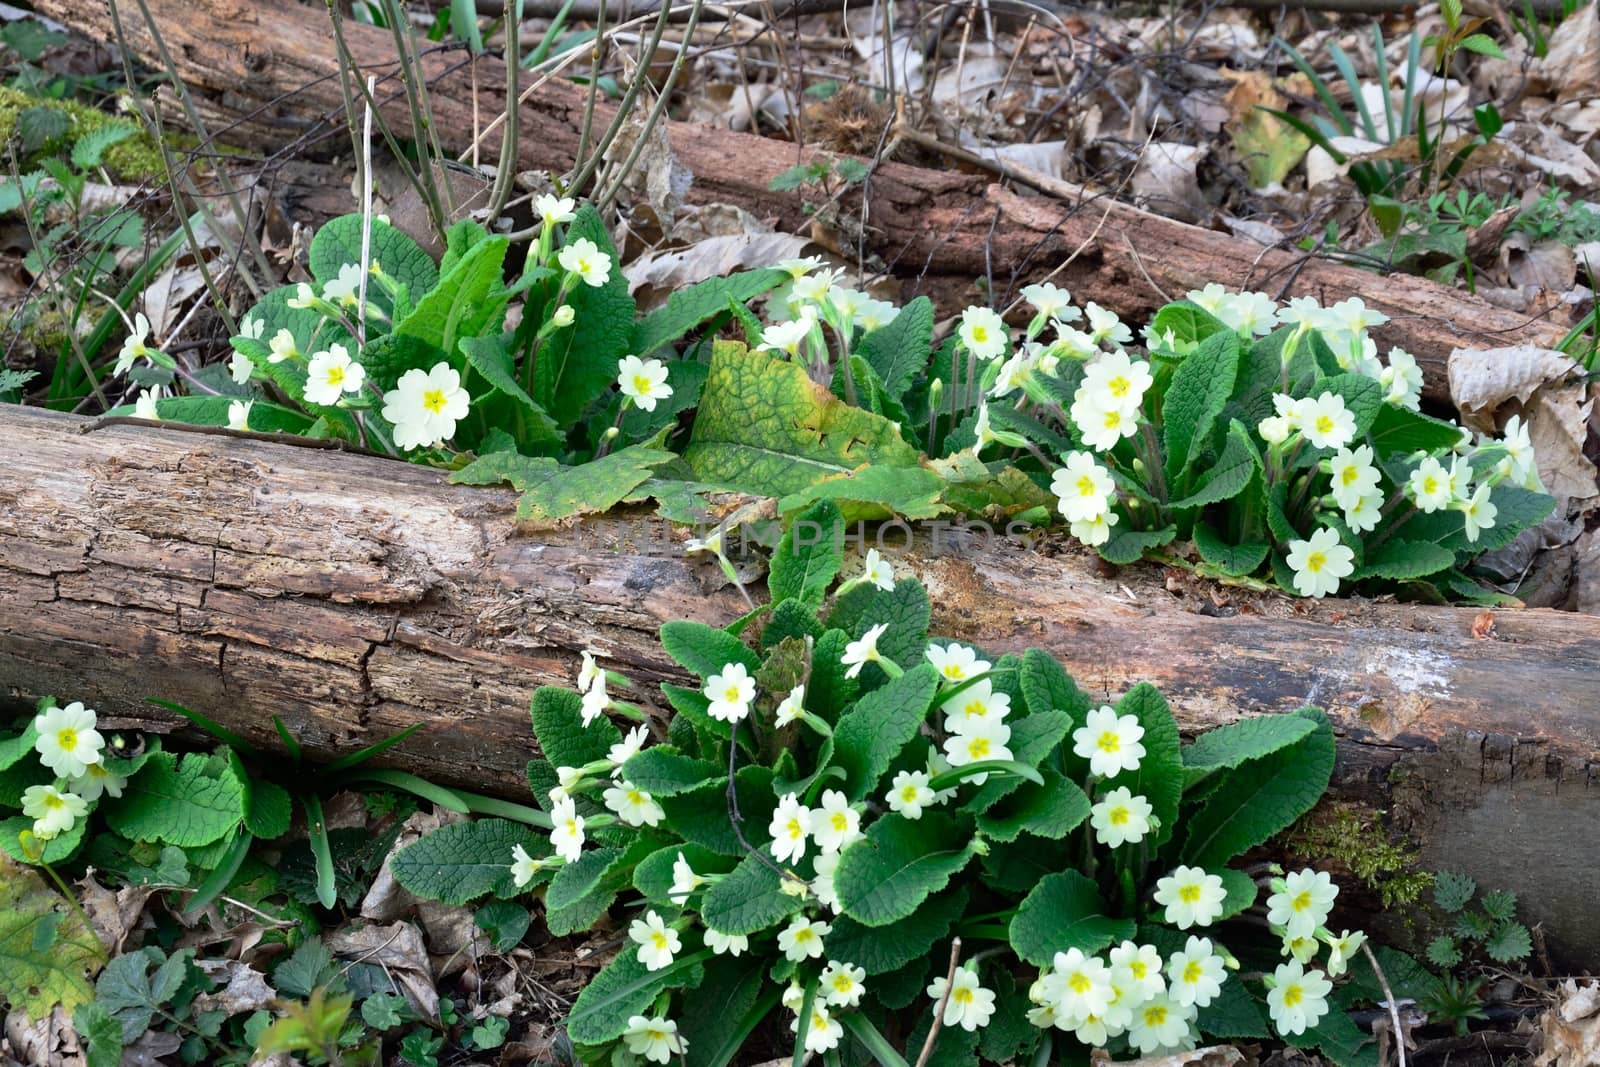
(1394, 1009)
(938, 1012)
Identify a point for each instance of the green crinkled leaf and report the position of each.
(1046, 685)
(1363, 397)
(1159, 776)
(1398, 431)
(623, 988)
(1240, 742)
(1241, 892)
(1195, 397)
(1237, 560)
(1062, 912)
(701, 815)
(46, 951)
(907, 612)
(748, 900)
(467, 302)
(578, 364)
(662, 773)
(653, 875)
(265, 416)
(870, 735)
(97, 1028)
(1261, 797)
(898, 864)
(1128, 546)
(268, 813)
(585, 909)
(551, 492)
(14, 749)
(1231, 473)
(190, 803)
(463, 861)
(899, 351)
(389, 356)
(491, 358)
(808, 556)
(1402, 560)
(56, 850)
(557, 716)
(830, 692)
(880, 949)
(688, 309)
(338, 242)
(765, 427)
(1233, 1013)
(1051, 810)
(1518, 509)
(576, 880)
(875, 491)
(705, 650)
(718, 1019)
(1188, 323)
(790, 618)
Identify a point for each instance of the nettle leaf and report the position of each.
(46, 951)
(899, 863)
(870, 735)
(1237, 560)
(1195, 397)
(1403, 560)
(1128, 546)
(907, 612)
(688, 309)
(1231, 473)
(1261, 797)
(576, 365)
(190, 803)
(1237, 743)
(750, 899)
(1046, 686)
(558, 726)
(338, 242)
(1159, 776)
(463, 861)
(705, 650)
(551, 491)
(881, 949)
(1051, 810)
(809, 555)
(624, 988)
(1062, 912)
(1363, 396)
(664, 773)
(765, 427)
(1509, 942)
(900, 350)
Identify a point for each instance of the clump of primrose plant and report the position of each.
(846, 828)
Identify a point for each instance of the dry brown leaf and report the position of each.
(244, 988)
(1166, 180)
(387, 899)
(399, 949)
(1543, 265)
(49, 1041)
(1586, 573)
(1558, 425)
(112, 913)
(1481, 379)
(1571, 1029)
(656, 275)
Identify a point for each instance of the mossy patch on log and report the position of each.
(1345, 833)
(136, 159)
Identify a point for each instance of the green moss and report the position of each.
(136, 159)
(1346, 834)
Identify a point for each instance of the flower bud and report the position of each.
(563, 316)
(611, 433)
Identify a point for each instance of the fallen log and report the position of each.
(274, 61)
(355, 596)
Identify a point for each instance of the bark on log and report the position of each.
(943, 227)
(355, 596)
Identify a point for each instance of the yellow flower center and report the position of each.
(1324, 424)
(1078, 983)
(1138, 969)
(1193, 972)
(1086, 486)
(803, 935)
(1349, 475)
(659, 939)
(731, 694)
(641, 384)
(841, 822)
(572, 827)
(1109, 742)
(1119, 816)
(1155, 1015)
(1292, 996)
(635, 797)
(1113, 419)
(1189, 894)
(1430, 485)
(1315, 562)
(795, 830)
(954, 673)
(1302, 902)
(909, 794)
(843, 983)
(978, 747)
(1119, 386)
(433, 400)
(980, 334)
(336, 375)
(962, 995)
(975, 709)
(67, 739)
(53, 801)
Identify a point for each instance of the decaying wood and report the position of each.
(355, 596)
(274, 60)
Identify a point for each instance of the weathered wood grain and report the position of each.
(355, 596)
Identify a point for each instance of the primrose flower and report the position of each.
(787, 337)
(344, 291)
(909, 793)
(1105, 326)
(1120, 818)
(684, 881)
(1160, 1024)
(563, 316)
(1479, 511)
(801, 940)
(631, 745)
(1051, 301)
(332, 374)
(726, 944)
(1249, 314)
(1110, 743)
(304, 297)
(1298, 998)
(956, 662)
(239, 414)
(1519, 447)
(1137, 968)
(1100, 422)
(1191, 896)
(982, 332)
(1274, 429)
(282, 347)
(1402, 380)
(821, 883)
(814, 288)
(1362, 513)
(1354, 476)
(1095, 531)
(878, 572)
(567, 833)
(1083, 488)
(68, 741)
(251, 327)
(1342, 949)
(730, 693)
(425, 406)
(1326, 422)
(863, 650)
(835, 824)
(240, 368)
(799, 268)
(1303, 903)
(965, 711)
(791, 825)
(1114, 380)
(1319, 563)
(969, 1006)
(644, 381)
(655, 1038)
(144, 407)
(1080, 984)
(633, 805)
(841, 984)
(984, 739)
(875, 314)
(595, 700)
(555, 210)
(134, 348)
(95, 780)
(1354, 315)
(52, 811)
(792, 707)
(584, 259)
(1304, 949)
(523, 866)
(824, 1033)
(657, 941)
(1196, 973)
